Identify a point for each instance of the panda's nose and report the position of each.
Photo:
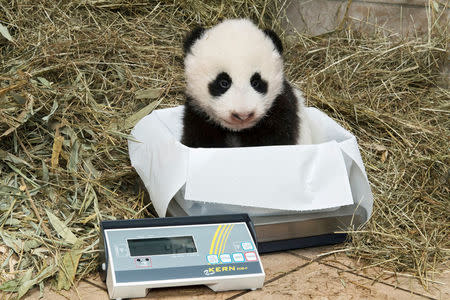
(242, 116)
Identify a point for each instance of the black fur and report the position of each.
(279, 127)
(220, 85)
(259, 84)
(190, 39)
(275, 39)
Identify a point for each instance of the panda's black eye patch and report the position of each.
(259, 84)
(220, 85)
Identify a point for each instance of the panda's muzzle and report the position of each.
(242, 117)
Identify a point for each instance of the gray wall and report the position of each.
(404, 17)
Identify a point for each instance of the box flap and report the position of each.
(295, 178)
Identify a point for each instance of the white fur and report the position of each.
(305, 134)
(239, 48)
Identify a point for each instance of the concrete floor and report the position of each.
(297, 274)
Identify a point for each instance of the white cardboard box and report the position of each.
(271, 180)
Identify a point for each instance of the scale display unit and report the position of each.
(217, 251)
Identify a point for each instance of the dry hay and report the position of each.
(75, 76)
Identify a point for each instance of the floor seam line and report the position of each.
(318, 260)
(385, 283)
(304, 257)
(95, 284)
(272, 280)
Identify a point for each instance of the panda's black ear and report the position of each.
(191, 37)
(275, 39)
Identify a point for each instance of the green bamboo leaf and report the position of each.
(61, 229)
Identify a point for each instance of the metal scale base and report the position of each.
(295, 231)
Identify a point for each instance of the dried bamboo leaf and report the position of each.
(19, 98)
(12, 221)
(19, 172)
(133, 119)
(26, 285)
(11, 242)
(56, 151)
(67, 271)
(52, 111)
(45, 82)
(12, 158)
(149, 94)
(61, 229)
(73, 159)
(14, 284)
(5, 33)
(89, 168)
(22, 118)
(45, 176)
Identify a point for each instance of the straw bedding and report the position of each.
(75, 76)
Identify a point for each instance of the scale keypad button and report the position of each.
(213, 259)
(143, 262)
(251, 256)
(247, 246)
(225, 258)
(238, 257)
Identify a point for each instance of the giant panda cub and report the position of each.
(236, 91)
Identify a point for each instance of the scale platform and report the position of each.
(295, 231)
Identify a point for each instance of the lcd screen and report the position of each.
(158, 246)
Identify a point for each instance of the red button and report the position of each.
(251, 256)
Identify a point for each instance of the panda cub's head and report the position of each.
(234, 72)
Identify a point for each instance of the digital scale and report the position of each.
(217, 251)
